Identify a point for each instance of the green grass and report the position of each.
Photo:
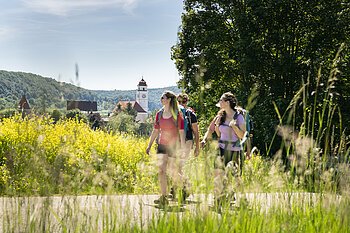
(105, 214)
(65, 160)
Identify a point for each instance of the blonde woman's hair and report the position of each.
(174, 105)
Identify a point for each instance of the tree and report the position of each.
(56, 115)
(274, 46)
(76, 114)
(129, 110)
(123, 122)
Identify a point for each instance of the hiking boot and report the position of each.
(162, 201)
(184, 194)
(172, 194)
(231, 198)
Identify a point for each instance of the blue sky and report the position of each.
(114, 42)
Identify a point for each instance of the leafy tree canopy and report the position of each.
(271, 47)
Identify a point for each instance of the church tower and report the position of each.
(142, 94)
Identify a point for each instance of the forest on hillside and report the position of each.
(45, 94)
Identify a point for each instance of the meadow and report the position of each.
(41, 162)
(87, 171)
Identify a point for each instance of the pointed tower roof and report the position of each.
(142, 83)
(23, 103)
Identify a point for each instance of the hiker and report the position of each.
(191, 134)
(247, 138)
(191, 126)
(230, 128)
(168, 129)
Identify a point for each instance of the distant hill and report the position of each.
(47, 93)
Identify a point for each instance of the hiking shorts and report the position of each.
(166, 149)
(225, 156)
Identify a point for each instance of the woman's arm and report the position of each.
(154, 135)
(240, 129)
(182, 138)
(240, 133)
(217, 124)
(207, 135)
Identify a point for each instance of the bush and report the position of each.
(56, 115)
(6, 113)
(76, 114)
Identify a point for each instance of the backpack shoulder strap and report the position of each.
(189, 116)
(235, 116)
(159, 115)
(248, 121)
(242, 112)
(188, 113)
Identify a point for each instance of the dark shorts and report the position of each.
(166, 149)
(226, 156)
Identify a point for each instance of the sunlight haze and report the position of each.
(113, 42)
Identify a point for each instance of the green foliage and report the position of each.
(125, 122)
(287, 212)
(271, 45)
(56, 115)
(317, 149)
(76, 114)
(129, 110)
(6, 113)
(122, 122)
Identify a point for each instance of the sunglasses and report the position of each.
(163, 97)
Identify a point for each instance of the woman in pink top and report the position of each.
(169, 129)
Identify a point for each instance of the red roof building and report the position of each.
(121, 105)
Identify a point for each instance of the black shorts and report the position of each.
(227, 156)
(166, 149)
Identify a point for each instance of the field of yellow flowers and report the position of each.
(38, 157)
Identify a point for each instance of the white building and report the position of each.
(142, 94)
(140, 105)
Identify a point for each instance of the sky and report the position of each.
(112, 43)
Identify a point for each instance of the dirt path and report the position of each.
(55, 213)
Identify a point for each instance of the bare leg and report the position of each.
(183, 158)
(162, 166)
(174, 171)
(219, 177)
(249, 148)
